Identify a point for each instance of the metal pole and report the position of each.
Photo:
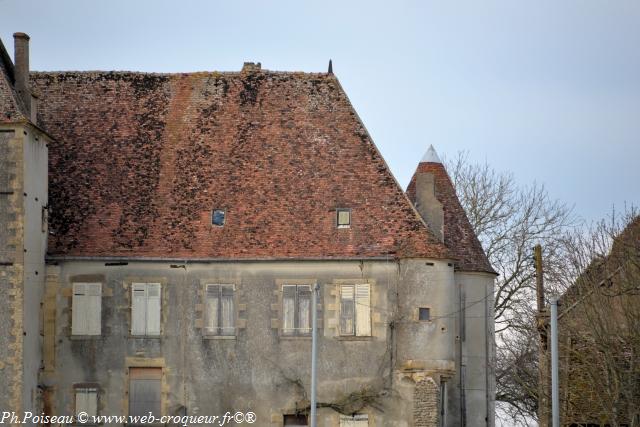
(555, 397)
(314, 351)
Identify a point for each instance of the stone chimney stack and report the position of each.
(21, 59)
(429, 207)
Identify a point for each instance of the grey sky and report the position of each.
(549, 90)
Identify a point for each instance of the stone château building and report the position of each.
(162, 235)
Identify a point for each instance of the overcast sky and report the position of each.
(549, 90)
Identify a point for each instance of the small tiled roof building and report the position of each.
(186, 220)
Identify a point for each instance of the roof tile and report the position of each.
(140, 160)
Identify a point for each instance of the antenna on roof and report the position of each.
(330, 67)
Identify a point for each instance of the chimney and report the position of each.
(429, 207)
(21, 59)
(249, 67)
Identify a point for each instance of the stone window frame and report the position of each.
(85, 332)
(164, 306)
(66, 291)
(86, 386)
(276, 307)
(239, 307)
(143, 362)
(378, 311)
(355, 314)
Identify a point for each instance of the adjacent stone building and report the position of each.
(190, 218)
(599, 341)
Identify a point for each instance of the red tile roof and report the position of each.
(11, 109)
(458, 233)
(141, 160)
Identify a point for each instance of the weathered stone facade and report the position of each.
(23, 200)
(138, 165)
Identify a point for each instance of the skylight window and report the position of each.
(217, 217)
(343, 217)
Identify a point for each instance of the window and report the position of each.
(343, 218)
(424, 313)
(145, 309)
(220, 313)
(145, 391)
(296, 310)
(87, 401)
(355, 310)
(357, 420)
(86, 308)
(217, 217)
(296, 420)
(44, 218)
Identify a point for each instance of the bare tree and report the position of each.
(600, 324)
(510, 219)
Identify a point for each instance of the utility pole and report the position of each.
(555, 396)
(541, 319)
(314, 351)
(539, 277)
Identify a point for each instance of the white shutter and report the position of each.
(138, 308)
(347, 310)
(92, 402)
(288, 309)
(211, 315)
(358, 420)
(87, 401)
(153, 308)
(81, 401)
(93, 305)
(363, 310)
(78, 310)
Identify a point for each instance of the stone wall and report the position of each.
(426, 403)
(11, 268)
(258, 369)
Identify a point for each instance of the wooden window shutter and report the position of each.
(211, 307)
(347, 310)
(304, 310)
(138, 308)
(145, 394)
(357, 420)
(227, 312)
(93, 306)
(87, 401)
(363, 310)
(79, 310)
(154, 308)
(288, 309)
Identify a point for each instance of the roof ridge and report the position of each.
(182, 73)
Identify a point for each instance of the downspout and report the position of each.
(488, 361)
(461, 315)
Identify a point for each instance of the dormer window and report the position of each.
(217, 217)
(343, 217)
